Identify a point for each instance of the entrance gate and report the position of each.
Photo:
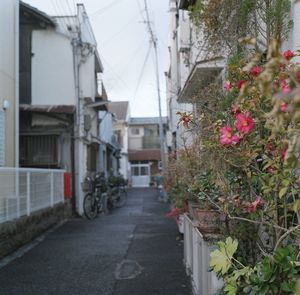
(140, 175)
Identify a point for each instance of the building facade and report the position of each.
(9, 82)
(144, 149)
(121, 111)
(59, 97)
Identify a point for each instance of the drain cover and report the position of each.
(128, 269)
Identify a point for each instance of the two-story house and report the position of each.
(59, 99)
(144, 152)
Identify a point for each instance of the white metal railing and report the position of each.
(26, 190)
(196, 259)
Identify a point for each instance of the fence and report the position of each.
(196, 259)
(24, 191)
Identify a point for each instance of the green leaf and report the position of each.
(296, 206)
(283, 191)
(221, 258)
(230, 289)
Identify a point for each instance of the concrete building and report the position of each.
(109, 148)
(121, 111)
(9, 83)
(144, 149)
(59, 97)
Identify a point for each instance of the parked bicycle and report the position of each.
(96, 200)
(117, 193)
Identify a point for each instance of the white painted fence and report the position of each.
(196, 259)
(24, 191)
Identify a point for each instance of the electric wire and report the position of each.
(103, 9)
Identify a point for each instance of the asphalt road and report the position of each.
(135, 250)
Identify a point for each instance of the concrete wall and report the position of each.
(8, 67)
(52, 69)
(17, 233)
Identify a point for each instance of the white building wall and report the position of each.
(106, 126)
(52, 69)
(87, 78)
(9, 24)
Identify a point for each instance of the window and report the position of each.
(135, 131)
(39, 151)
(2, 138)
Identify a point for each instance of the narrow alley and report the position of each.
(135, 250)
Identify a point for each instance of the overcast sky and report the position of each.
(123, 43)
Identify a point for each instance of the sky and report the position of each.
(123, 42)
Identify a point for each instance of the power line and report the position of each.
(154, 43)
(103, 9)
(142, 72)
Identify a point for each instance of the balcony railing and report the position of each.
(25, 191)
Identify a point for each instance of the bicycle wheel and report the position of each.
(122, 197)
(104, 203)
(90, 206)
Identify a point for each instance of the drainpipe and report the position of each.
(17, 24)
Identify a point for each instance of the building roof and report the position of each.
(38, 14)
(59, 109)
(119, 109)
(144, 155)
(147, 121)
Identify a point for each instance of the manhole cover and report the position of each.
(128, 269)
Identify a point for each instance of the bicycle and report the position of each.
(96, 200)
(117, 193)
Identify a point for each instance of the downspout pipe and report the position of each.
(17, 103)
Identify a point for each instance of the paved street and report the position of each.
(133, 251)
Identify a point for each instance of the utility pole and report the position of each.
(161, 130)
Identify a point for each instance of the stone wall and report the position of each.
(15, 234)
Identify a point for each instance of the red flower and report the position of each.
(185, 119)
(174, 213)
(288, 54)
(283, 107)
(240, 84)
(283, 153)
(255, 71)
(285, 87)
(269, 147)
(227, 138)
(244, 123)
(228, 86)
(253, 206)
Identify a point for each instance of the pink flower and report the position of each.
(255, 71)
(244, 123)
(283, 153)
(283, 106)
(285, 88)
(288, 54)
(240, 84)
(228, 86)
(227, 138)
(253, 206)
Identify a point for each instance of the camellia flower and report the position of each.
(283, 106)
(244, 123)
(227, 137)
(228, 86)
(288, 54)
(185, 118)
(240, 84)
(255, 71)
(285, 88)
(253, 206)
(283, 153)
